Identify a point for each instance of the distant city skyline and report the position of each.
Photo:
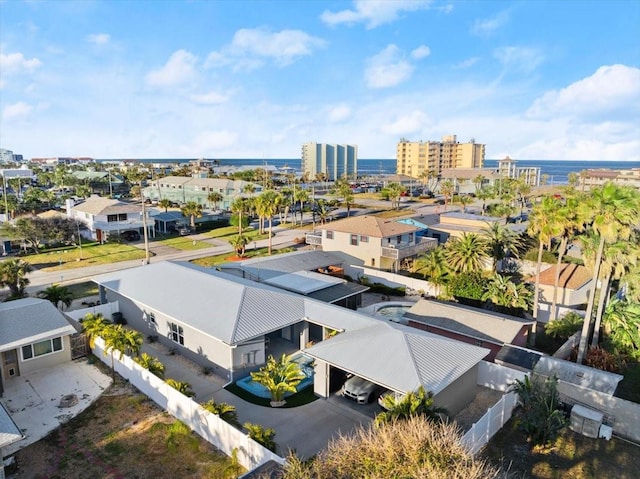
(243, 79)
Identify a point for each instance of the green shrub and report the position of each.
(547, 256)
(468, 288)
(261, 435)
(564, 327)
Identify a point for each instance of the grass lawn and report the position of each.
(84, 289)
(92, 254)
(572, 456)
(228, 231)
(210, 261)
(123, 434)
(184, 243)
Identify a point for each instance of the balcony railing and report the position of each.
(314, 238)
(401, 251)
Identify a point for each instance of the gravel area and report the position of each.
(485, 398)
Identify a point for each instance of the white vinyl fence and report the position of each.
(489, 424)
(106, 310)
(209, 426)
(392, 280)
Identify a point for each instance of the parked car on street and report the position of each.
(360, 389)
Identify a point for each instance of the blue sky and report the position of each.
(238, 79)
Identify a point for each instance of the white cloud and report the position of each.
(17, 110)
(339, 113)
(487, 26)
(612, 91)
(469, 62)
(250, 48)
(179, 69)
(210, 98)
(414, 122)
(387, 68)
(17, 63)
(523, 59)
(99, 38)
(422, 51)
(374, 13)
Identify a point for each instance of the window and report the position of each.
(177, 334)
(364, 239)
(122, 217)
(112, 218)
(41, 348)
(354, 240)
(329, 234)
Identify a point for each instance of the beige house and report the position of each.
(415, 157)
(574, 289)
(455, 224)
(378, 242)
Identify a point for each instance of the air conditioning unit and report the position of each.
(585, 421)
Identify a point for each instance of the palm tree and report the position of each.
(544, 227)
(302, 197)
(504, 293)
(269, 202)
(13, 275)
(227, 412)
(433, 265)
(322, 210)
(182, 387)
(447, 189)
(239, 207)
(478, 182)
(343, 189)
(614, 212)
(464, 200)
(94, 325)
(501, 242)
(150, 363)
(418, 403)
(239, 244)
(466, 253)
(279, 377)
(165, 203)
(61, 296)
(485, 193)
(193, 210)
(622, 321)
(394, 190)
(126, 341)
(215, 197)
(261, 435)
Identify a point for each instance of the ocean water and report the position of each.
(558, 170)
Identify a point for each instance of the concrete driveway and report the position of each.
(33, 400)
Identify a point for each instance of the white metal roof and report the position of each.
(9, 432)
(398, 357)
(30, 320)
(304, 282)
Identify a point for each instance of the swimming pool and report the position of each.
(259, 390)
(393, 312)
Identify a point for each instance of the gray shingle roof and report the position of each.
(398, 357)
(477, 323)
(29, 320)
(9, 432)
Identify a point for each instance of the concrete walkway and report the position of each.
(305, 429)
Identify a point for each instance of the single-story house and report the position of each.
(9, 433)
(315, 274)
(34, 335)
(455, 224)
(470, 325)
(231, 324)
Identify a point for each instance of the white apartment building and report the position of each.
(334, 161)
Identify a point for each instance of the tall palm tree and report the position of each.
(447, 189)
(394, 190)
(192, 210)
(269, 204)
(501, 242)
(433, 265)
(165, 203)
(215, 197)
(485, 193)
(302, 197)
(13, 275)
(126, 341)
(61, 296)
(614, 212)
(343, 189)
(467, 253)
(94, 325)
(544, 227)
(478, 182)
(279, 377)
(239, 207)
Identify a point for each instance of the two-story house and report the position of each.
(183, 189)
(379, 242)
(105, 216)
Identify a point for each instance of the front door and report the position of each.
(10, 363)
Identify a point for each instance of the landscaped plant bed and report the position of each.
(123, 435)
(571, 456)
(300, 398)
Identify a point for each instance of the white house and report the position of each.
(378, 242)
(105, 216)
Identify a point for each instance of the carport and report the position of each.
(401, 359)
